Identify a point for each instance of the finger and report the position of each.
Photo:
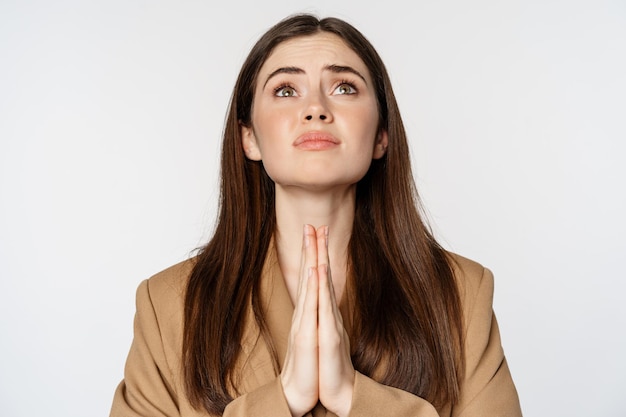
(325, 298)
(310, 249)
(308, 322)
(302, 258)
(326, 310)
(307, 262)
(322, 245)
(333, 297)
(326, 275)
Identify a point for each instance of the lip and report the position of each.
(316, 141)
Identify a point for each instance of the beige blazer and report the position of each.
(153, 383)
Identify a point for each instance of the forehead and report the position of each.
(313, 51)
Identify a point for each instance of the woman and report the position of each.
(316, 178)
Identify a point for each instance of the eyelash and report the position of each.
(342, 82)
(283, 86)
(349, 84)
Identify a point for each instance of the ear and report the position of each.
(380, 147)
(249, 143)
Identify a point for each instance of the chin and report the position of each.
(316, 178)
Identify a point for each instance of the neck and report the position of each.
(296, 207)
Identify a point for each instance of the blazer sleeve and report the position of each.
(267, 400)
(487, 389)
(371, 398)
(150, 387)
(147, 388)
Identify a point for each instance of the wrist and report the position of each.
(343, 401)
(295, 403)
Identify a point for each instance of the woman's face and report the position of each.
(314, 115)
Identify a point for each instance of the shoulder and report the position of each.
(160, 309)
(475, 283)
(162, 295)
(171, 282)
(487, 387)
(468, 272)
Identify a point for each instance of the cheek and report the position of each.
(365, 126)
(366, 114)
(271, 127)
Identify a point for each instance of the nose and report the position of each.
(317, 108)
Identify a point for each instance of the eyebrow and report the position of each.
(337, 69)
(283, 70)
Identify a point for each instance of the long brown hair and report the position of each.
(407, 311)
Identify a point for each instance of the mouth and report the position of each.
(316, 141)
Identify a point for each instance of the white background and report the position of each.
(110, 120)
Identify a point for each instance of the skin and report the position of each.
(315, 128)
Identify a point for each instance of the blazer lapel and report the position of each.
(257, 365)
(277, 304)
